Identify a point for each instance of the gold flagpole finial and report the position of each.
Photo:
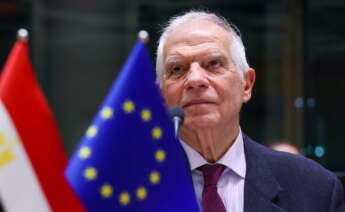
(143, 36)
(22, 35)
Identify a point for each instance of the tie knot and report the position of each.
(211, 173)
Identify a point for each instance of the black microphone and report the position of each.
(177, 116)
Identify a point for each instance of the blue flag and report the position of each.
(129, 158)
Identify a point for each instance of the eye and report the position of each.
(176, 69)
(214, 64)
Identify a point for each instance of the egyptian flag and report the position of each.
(32, 159)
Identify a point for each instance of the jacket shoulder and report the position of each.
(289, 168)
(303, 184)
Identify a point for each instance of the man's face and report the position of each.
(201, 77)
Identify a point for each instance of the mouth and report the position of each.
(197, 102)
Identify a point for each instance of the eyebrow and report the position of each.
(215, 55)
(172, 60)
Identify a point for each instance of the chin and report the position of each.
(200, 109)
(199, 122)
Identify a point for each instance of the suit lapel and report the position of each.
(261, 189)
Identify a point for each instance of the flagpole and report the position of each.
(22, 35)
(143, 36)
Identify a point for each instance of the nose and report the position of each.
(196, 77)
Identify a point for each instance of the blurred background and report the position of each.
(297, 48)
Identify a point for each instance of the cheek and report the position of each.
(232, 94)
(171, 94)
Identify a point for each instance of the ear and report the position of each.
(249, 80)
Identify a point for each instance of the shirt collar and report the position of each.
(234, 158)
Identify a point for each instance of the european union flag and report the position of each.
(129, 159)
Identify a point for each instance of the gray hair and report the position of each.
(236, 47)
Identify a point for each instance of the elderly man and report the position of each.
(202, 67)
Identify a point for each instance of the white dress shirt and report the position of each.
(231, 182)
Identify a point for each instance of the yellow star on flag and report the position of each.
(128, 106)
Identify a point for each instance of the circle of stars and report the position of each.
(106, 191)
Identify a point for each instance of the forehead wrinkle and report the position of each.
(186, 46)
(190, 49)
(194, 38)
(178, 57)
(196, 32)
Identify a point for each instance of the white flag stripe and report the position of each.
(19, 187)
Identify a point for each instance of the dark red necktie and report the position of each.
(211, 201)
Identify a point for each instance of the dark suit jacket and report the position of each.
(278, 181)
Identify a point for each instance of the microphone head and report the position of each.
(177, 111)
